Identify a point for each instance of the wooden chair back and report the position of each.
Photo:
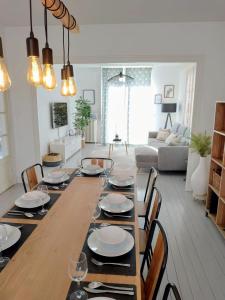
(31, 176)
(150, 184)
(153, 209)
(106, 163)
(155, 260)
(171, 288)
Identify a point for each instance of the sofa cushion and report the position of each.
(163, 134)
(170, 138)
(181, 130)
(175, 127)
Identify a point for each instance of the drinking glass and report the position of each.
(104, 180)
(95, 215)
(44, 189)
(3, 239)
(77, 269)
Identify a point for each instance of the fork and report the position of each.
(116, 216)
(99, 263)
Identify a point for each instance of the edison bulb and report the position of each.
(49, 79)
(72, 86)
(34, 70)
(5, 81)
(64, 87)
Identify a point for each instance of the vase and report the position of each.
(199, 179)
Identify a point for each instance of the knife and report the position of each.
(95, 291)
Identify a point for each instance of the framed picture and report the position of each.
(158, 99)
(89, 95)
(169, 91)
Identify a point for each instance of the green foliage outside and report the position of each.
(82, 115)
(201, 143)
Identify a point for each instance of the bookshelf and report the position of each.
(215, 202)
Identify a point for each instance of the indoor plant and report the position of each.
(82, 116)
(200, 143)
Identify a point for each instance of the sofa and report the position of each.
(163, 156)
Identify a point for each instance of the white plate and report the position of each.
(92, 170)
(32, 199)
(101, 298)
(53, 180)
(14, 235)
(116, 203)
(56, 174)
(121, 181)
(113, 251)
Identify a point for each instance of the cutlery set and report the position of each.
(111, 291)
(116, 216)
(99, 263)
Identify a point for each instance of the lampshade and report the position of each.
(169, 107)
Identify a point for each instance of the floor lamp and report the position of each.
(168, 108)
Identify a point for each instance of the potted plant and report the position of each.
(82, 117)
(200, 143)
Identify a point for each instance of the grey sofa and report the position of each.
(162, 156)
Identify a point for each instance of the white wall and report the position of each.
(203, 43)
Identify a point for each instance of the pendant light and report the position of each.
(64, 81)
(34, 70)
(49, 78)
(5, 81)
(69, 71)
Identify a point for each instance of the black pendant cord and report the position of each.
(68, 49)
(46, 26)
(31, 21)
(64, 56)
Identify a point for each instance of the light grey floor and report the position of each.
(196, 250)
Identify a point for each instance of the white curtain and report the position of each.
(127, 108)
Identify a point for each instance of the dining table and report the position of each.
(39, 268)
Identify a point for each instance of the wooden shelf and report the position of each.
(215, 202)
(216, 191)
(218, 162)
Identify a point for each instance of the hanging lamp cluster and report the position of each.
(46, 76)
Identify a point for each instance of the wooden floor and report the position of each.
(196, 250)
(196, 260)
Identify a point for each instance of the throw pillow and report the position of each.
(170, 138)
(162, 134)
(176, 141)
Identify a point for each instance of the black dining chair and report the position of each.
(171, 288)
(142, 205)
(154, 262)
(31, 176)
(103, 162)
(152, 213)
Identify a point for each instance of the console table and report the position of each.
(66, 146)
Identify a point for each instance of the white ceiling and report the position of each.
(15, 13)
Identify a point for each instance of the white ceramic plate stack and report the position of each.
(110, 241)
(92, 170)
(56, 177)
(116, 203)
(32, 200)
(13, 235)
(121, 181)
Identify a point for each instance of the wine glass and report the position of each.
(95, 214)
(104, 180)
(77, 269)
(3, 239)
(44, 189)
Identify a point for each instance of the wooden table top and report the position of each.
(38, 270)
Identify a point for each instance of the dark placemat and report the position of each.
(26, 231)
(54, 197)
(130, 213)
(61, 186)
(129, 258)
(73, 288)
(109, 188)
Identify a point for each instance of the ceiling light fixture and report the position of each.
(34, 70)
(69, 71)
(5, 81)
(121, 78)
(49, 79)
(64, 81)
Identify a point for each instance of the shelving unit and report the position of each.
(215, 202)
